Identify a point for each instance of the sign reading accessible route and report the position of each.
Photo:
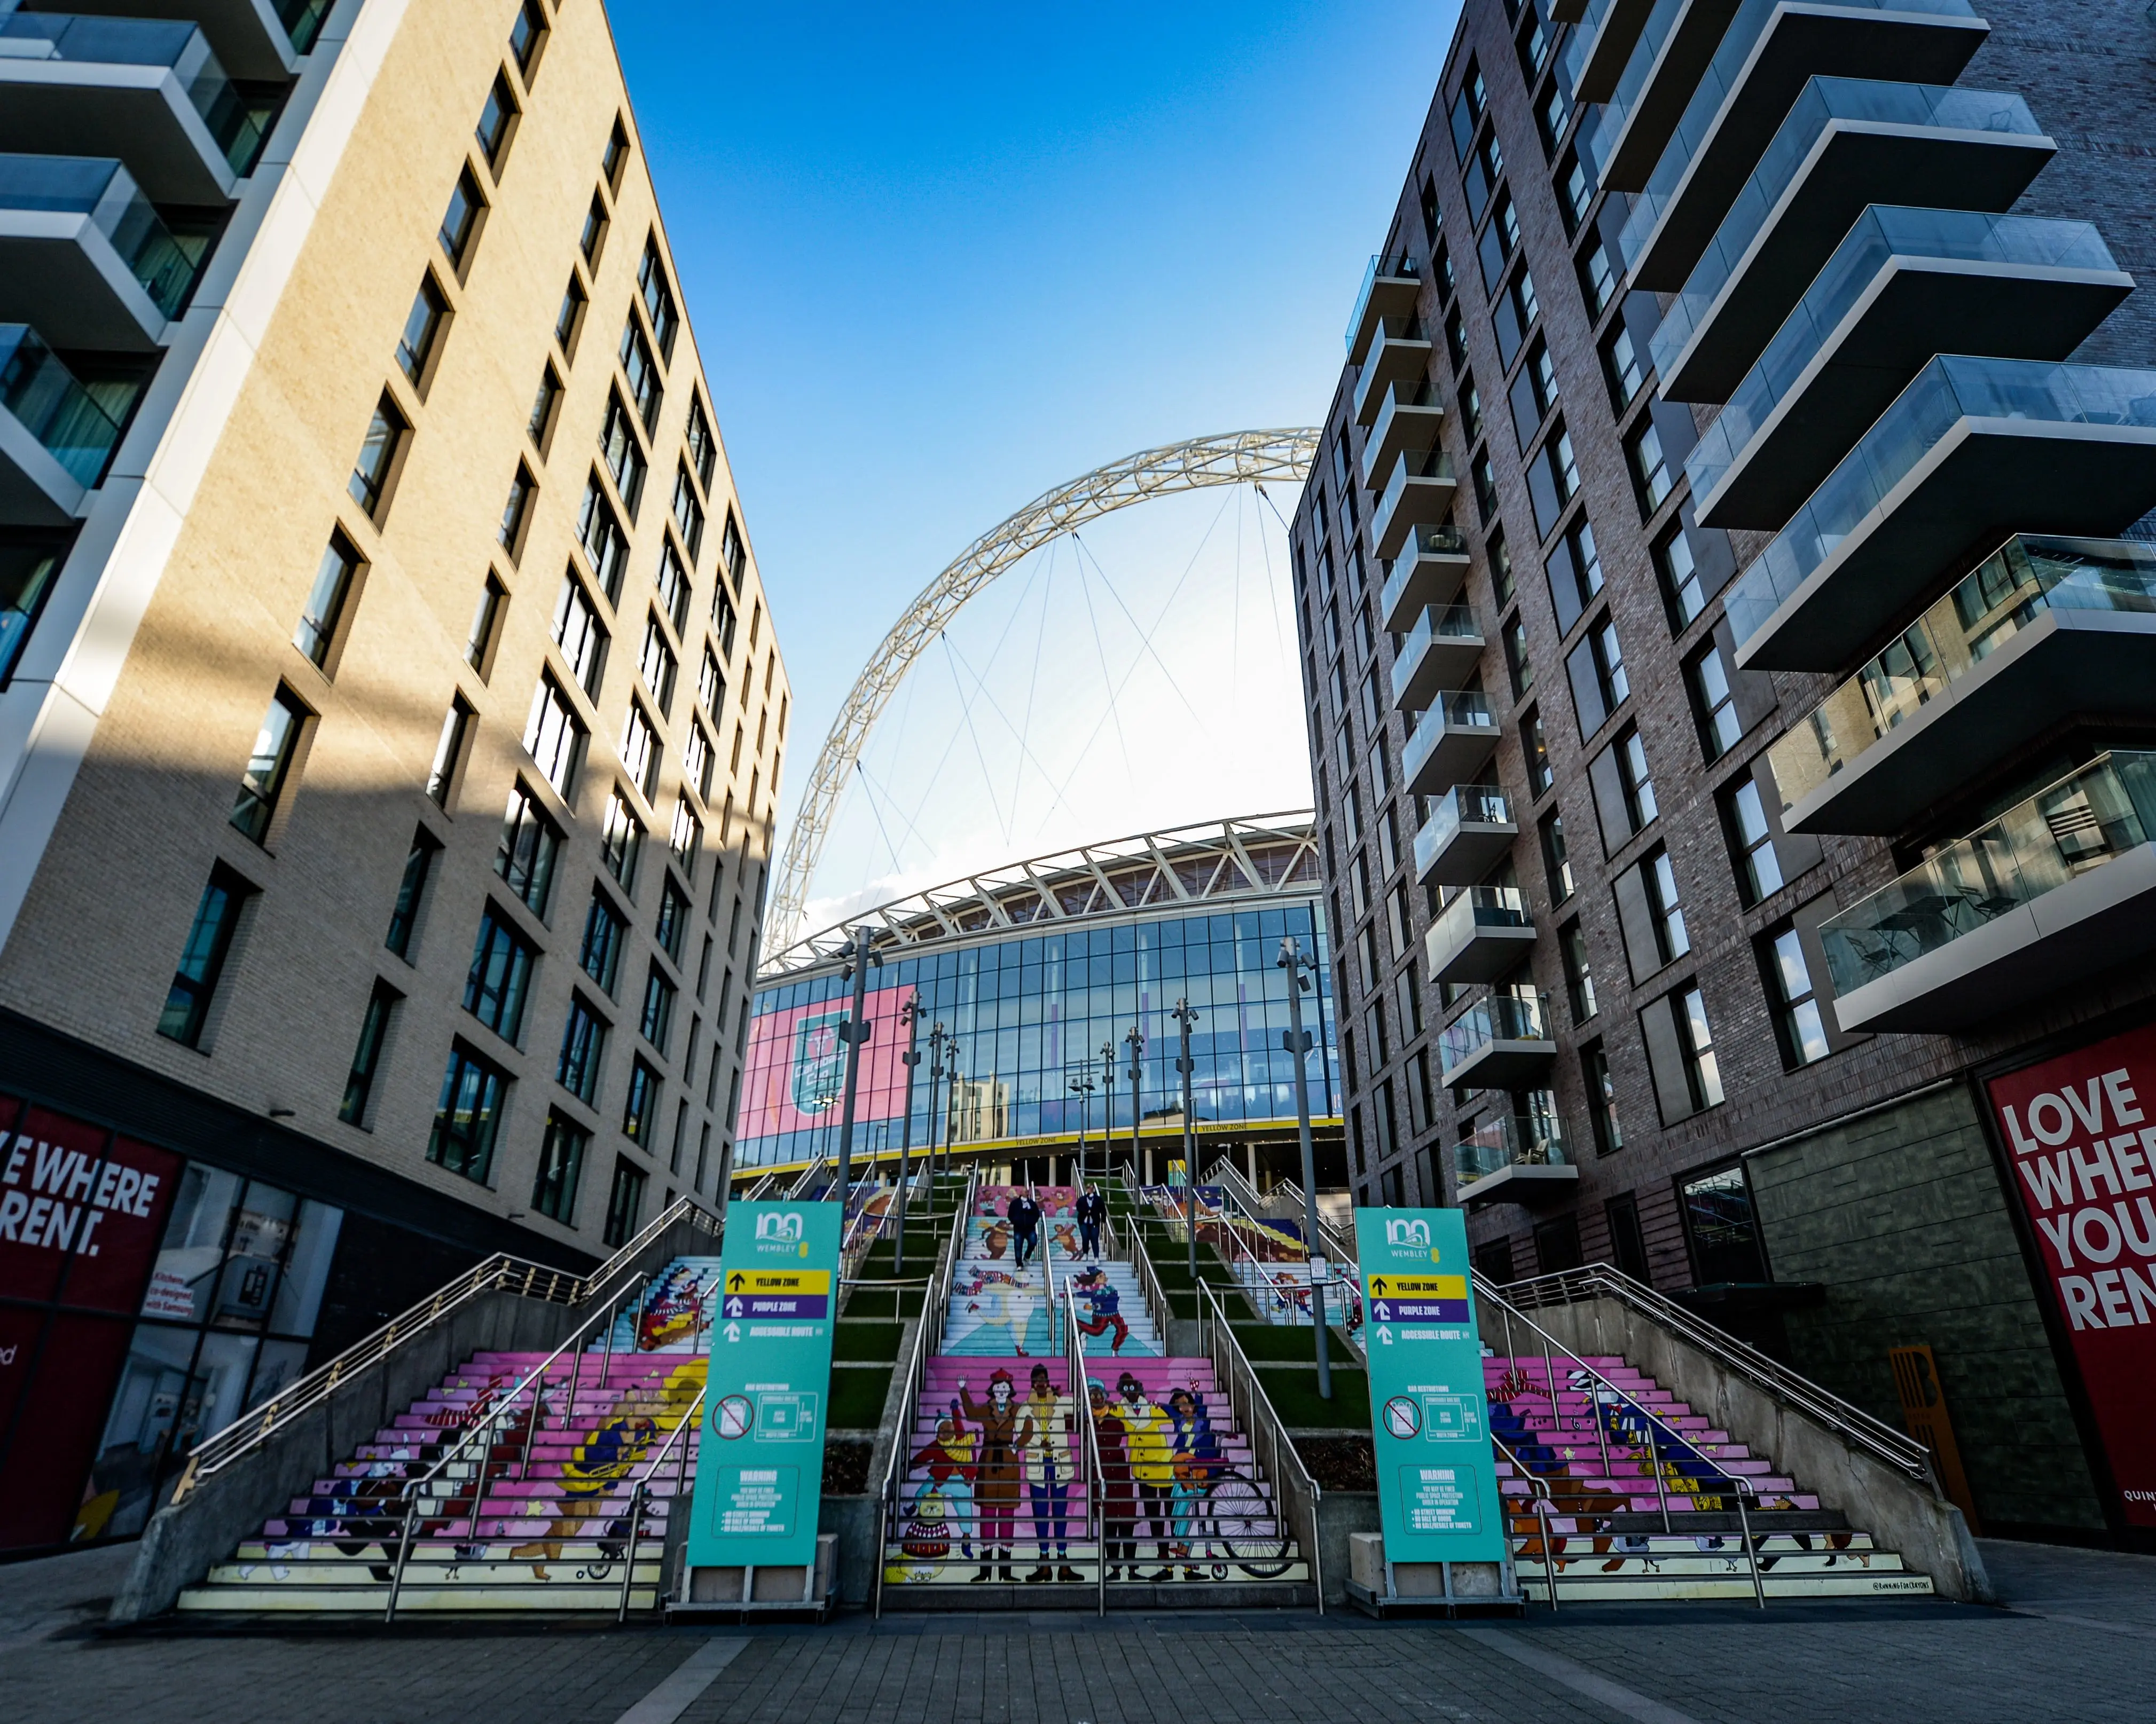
(1437, 1485)
(760, 1465)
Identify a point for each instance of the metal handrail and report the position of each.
(1739, 1486)
(1096, 1482)
(500, 1273)
(1852, 1424)
(690, 1421)
(1261, 1421)
(1132, 1252)
(535, 1382)
(1539, 1489)
(807, 1177)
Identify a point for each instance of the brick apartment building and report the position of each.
(390, 714)
(1735, 834)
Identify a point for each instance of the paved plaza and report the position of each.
(2076, 1640)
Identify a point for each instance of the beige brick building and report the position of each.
(378, 414)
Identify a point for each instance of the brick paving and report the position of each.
(2078, 1640)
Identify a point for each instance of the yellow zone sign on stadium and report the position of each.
(1384, 1286)
(779, 1281)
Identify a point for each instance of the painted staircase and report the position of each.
(998, 1493)
(1593, 1450)
(530, 1519)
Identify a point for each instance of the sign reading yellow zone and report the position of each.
(1384, 1286)
(781, 1280)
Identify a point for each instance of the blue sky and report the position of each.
(941, 258)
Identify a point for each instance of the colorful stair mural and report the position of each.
(1596, 1447)
(529, 1519)
(997, 1487)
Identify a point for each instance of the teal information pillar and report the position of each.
(760, 1461)
(1437, 1485)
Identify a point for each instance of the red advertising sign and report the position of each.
(2082, 1133)
(68, 1191)
(797, 1066)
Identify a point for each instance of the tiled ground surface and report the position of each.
(2078, 1641)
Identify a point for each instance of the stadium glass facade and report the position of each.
(1030, 1009)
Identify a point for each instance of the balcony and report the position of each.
(1675, 44)
(2056, 890)
(1611, 30)
(1771, 50)
(1418, 493)
(1500, 1043)
(1508, 1161)
(151, 93)
(1430, 569)
(1410, 419)
(1482, 934)
(254, 38)
(1451, 745)
(1470, 831)
(82, 256)
(1398, 354)
(1972, 450)
(1392, 288)
(1844, 144)
(54, 440)
(2045, 629)
(1439, 653)
(1905, 285)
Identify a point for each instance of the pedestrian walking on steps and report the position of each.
(1024, 1215)
(1091, 1209)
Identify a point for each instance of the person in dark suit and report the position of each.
(1091, 1209)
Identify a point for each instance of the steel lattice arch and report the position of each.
(1233, 458)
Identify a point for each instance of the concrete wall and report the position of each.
(1928, 1532)
(1899, 1215)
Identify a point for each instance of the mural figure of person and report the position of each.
(1048, 1470)
(1197, 1461)
(1104, 1306)
(999, 1471)
(1150, 1440)
(949, 1462)
(1117, 1527)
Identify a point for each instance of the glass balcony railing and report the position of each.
(2090, 818)
(1509, 1142)
(1413, 463)
(1474, 909)
(1452, 624)
(1746, 26)
(1401, 265)
(1454, 711)
(1948, 390)
(1463, 805)
(237, 123)
(1881, 232)
(104, 191)
(2014, 586)
(1632, 82)
(45, 399)
(303, 20)
(1500, 1017)
(1822, 102)
(1423, 539)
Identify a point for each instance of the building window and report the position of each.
(1555, 860)
(657, 295)
(640, 1117)
(687, 838)
(1470, 399)
(410, 890)
(1575, 186)
(722, 626)
(1601, 1099)
(1607, 654)
(1628, 1244)
(640, 751)
(1407, 997)
(622, 841)
(377, 459)
(1578, 973)
(569, 320)
(1651, 473)
(1533, 394)
(673, 920)
(1798, 1024)
(1712, 704)
(500, 976)
(1720, 1230)
(497, 119)
(1681, 588)
(606, 546)
(672, 581)
(623, 453)
(580, 635)
(698, 759)
(1553, 479)
(423, 328)
(733, 558)
(1573, 569)
(516, 511)
(592, 241)
(1633, 779)
(560, 1162)
(527, 36)
(1658, 876)
(1598, 280)
(366, 1057)
(605, 934)
(202, 959)
(467, 1115)
(544, 407)
(460, 221)
(554, 737)
(657, 1024)
(1484, 479)
(702, 447)
(1744, 817)
(1517, 665)
(624, 1199)
(524, 858)
(583, 1050)
(1534, 747)
(1695, 1041)
(268, 765)
(485, 625)
(1621, 368)
(656, 662)
(27, 569)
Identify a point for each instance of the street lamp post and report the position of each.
(1081, 1086)
(855, 1031)
(951, 1099)
(937, 1038)
(910, 1015)
(1136, 1042)
(1108, 1109)
(1297, 1041)
(1185, 1015)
